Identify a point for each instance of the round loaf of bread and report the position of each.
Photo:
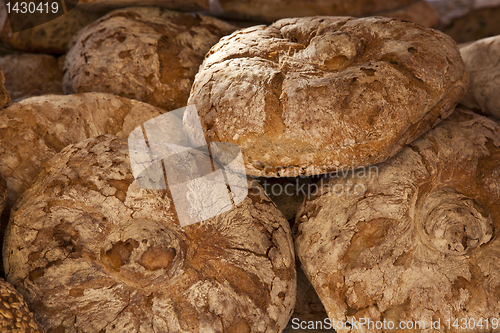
(416, 241)
(145, 53)
(482, 60)
(181, 5)
(15, 317)
(36, 128)
(28, 74)
(272, 10)
(50, 37)
(321, 94)
(91, 251)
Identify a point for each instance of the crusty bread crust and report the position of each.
(417, 241)
(39, 127)
(146, 53)
(307, 96)
(90, 249)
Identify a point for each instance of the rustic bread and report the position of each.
(315, 95)
(415, 241)
(482, 60)
(51, 37)
(181, 5)
(272, 10)
(15, 317)
(420, 12)
(33, 130)
(145, 53)
(4, 95)
(449, 10)
(28, 74)
(474, 25)
(90, 250)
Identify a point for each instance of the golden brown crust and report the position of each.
(91, 250)
(29, 75)
(15, 317)
(34, 129)
(420, 241)
(314, 95)
(145, 53)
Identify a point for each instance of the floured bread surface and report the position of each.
(93, 252)
(36, 128)
(314, 95)
(416, 241)
(482, 60)
(145, 53)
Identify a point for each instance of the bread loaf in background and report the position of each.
(272, 10)
(36, 128)
(4, 95)
(416, 241)
(313, 95)
(15, 317)
(482, 60)
(180, 5)
(419, 12)
(146, 53)
(51, 37)
(28, 74)
(90, 250)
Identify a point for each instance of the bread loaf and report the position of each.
(51, 37)
(29, 75)
(15, 317)
(272, 10)
(92, 251)
(420, 12)
(476, 24)
(33, 130)
(416, 241)
(482, 60)
(315, 95)
(181, 5)
(145, 53)
(4, 95)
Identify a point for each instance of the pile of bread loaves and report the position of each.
(349, 100)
